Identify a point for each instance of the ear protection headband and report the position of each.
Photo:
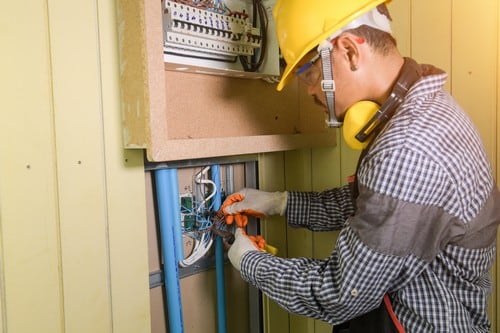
(365, 119)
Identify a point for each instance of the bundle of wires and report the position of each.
(253, 63)
(209, 5)
(202, 234)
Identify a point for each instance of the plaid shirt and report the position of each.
(424, 229)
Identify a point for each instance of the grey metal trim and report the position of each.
(151, 166)
(156, 278)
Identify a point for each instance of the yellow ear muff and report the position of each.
(356, 117)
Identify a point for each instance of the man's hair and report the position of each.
(381, 41)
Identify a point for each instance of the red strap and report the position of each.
(388, 305)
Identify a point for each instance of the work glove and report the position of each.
(241, 245)
(253, 202)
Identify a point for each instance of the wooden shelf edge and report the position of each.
(183, 149)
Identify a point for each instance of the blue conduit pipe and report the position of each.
(171, 243)
(219, 258)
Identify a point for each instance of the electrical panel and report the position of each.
(234, 37)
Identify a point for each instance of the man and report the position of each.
(418, 225)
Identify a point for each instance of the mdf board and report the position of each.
(177, 116)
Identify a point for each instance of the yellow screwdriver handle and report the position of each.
(271, 249)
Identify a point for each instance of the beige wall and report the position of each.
(72, 212)
(73, 244)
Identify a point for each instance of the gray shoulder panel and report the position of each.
(483, 228)
(399, 228)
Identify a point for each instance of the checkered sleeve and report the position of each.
(320, 211)
(350, 282)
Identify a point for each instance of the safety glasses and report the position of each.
(308, 73)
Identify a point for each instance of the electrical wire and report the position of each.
(202, 235)
(210, 5)
(253, 63)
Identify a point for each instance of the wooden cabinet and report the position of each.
(176, 115)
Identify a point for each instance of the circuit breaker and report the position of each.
(234, 38)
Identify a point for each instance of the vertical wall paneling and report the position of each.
(125, 193)
(327, 166)
(80, 165)
(431, 32)
(474, 53)
(474, 76)
(299, 241)
(272, 178)
(401, 24)
(31, 298)
(497, 150)
(348, 162)
(72, 202)
(496, 295)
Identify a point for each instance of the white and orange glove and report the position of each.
(238, 206)
(241, 245)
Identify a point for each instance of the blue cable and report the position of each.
(219, 257)
(171, 243)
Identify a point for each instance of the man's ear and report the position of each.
(349, 47)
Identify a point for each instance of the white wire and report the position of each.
(201, 246)
(200, 249)
(198, 179)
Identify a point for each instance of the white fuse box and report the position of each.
(214, 39)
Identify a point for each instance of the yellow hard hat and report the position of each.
(302, 25)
